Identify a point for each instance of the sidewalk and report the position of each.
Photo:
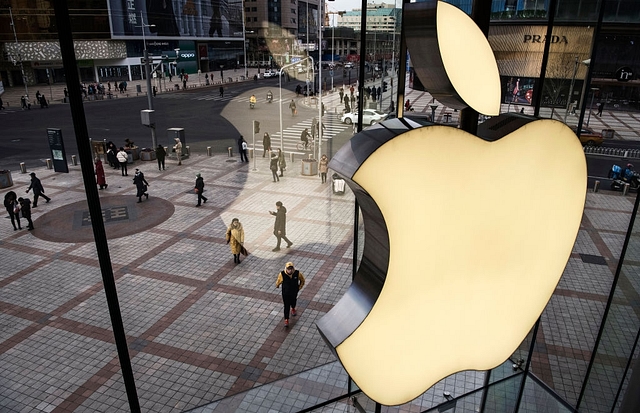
(201, 328)
(55, 92)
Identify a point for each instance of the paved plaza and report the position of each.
(206, 334)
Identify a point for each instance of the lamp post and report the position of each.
(15, 36)
(593, 92)
(393, 50)
(280, 74)
(244, 47)
(147, 75)
(570, 97)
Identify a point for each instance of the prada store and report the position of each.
(519, 50)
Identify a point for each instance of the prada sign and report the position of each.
(536, 38)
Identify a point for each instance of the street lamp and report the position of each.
(15, 36)
(152, 126)
(570, 97)
(593, 92)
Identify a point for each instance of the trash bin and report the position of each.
(138, 88)
(608, 133)
(338, 184)
(309, 167)
(5, 179)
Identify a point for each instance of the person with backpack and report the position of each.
(292, 282)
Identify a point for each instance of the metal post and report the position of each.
(596, 186)
(570, 98)
(15, 36)
(208, 150)
(74, 160)
(23, 168)
(65, 38)
(593, 92)
(49, 163)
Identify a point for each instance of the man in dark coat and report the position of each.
(160, 155)
(141, 185)
(280, 226)
(25, 209)
(38, 190)
(199, 188)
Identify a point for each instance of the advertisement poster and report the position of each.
(171, 19)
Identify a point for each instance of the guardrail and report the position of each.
(618, 152)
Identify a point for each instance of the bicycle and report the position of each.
(300, 146)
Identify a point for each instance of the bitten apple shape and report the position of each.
(478, 235)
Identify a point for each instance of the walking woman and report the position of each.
(100, 176)
(13, 208)
(235, 239)
(282, 162)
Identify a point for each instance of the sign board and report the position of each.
(58, 155)
(624, 74)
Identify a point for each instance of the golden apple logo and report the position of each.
(465, 242)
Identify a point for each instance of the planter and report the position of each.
(5, 179)
(134, 151)
(147, 154)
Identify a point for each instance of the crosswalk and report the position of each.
(291, 134)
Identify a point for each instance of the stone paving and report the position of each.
(201, 328)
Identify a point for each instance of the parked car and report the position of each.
(271, 73)
(370, 116)
(589, 137)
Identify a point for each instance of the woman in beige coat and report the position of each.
(323, 168)
(235, 239)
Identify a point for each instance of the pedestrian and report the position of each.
(304, 137)
(235, 239)
(38, 190)
(177, 148)
(199, 189)
(13, 208)
(184, 82)
(266, 144)
(292, 106)
(206, 79)
(280, 226)
(221, 91)
(242, 148)
(600, 108)
(170, 76)
(111, 155)
(24, 102)
(101, 179)
(273, 165)
(1, 104)
(341, 94)
(141, 185)
(323, 167)
(282, 162)
(123, 158)
(160, 155)
(25, 209)
(292, 282)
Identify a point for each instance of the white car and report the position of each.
(370, 116)
(270, 73)
(348, 65)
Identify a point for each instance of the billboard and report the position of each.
(171, 19)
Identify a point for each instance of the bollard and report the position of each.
(208, 150)
(291, 157)
(310, 156)
(596, 186)
(625, 189)
(74, 160)
(188, 151)
(251, 153)
(49, 163)
(230, 150)
(626, 154)
(23, 168)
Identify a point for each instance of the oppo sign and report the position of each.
(188, 55)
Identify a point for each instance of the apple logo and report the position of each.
(465, 242)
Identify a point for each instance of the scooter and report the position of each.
(252, 105)
(269, 97)
(620, 178)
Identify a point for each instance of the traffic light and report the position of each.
(256, 126)
(384, 86)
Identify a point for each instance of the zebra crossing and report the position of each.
(228, 97)
(291, 134)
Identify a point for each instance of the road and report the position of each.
(208, 120)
